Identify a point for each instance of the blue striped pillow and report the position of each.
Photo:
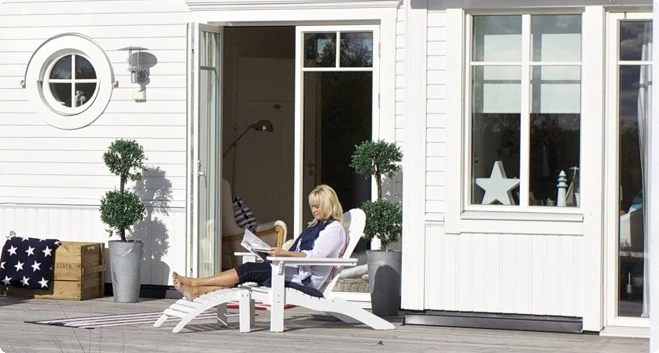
(243, 214)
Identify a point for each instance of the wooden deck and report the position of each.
(305, 332)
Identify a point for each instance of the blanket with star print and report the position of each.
(28, 262)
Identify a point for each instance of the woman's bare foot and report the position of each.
(187, 291)
(176, 278)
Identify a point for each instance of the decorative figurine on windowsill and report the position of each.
(497, 187)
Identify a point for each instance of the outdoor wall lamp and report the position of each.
(138, 73)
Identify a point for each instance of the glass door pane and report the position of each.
(338, 68)
(634, 101)
(208, 151)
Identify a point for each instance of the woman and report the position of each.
(324, 237)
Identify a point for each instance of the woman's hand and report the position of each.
(276, 252)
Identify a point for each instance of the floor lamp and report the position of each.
(261, 126)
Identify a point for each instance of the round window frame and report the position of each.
(41, 64)
(49, 97)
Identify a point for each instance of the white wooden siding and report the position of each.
(500, 273)
(486, 272)
(51, 180)
(45, 165)
(436, 114)
(163, 234)
(400, 78)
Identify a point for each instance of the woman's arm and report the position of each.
(329, 243)
(285, 253)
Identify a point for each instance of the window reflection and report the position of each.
(357, 49)
(62, 69)
(320, 49)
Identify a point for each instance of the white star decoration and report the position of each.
(30, 251)
(19, 266)
(43, 283)
(497, 187)
(6, 281)
(2, 265)
(47, 252)
(12, 250)
(36, 267)
(25, 281)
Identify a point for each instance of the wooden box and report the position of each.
(79, 274)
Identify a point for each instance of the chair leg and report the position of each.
(222, 316)
(246, 311)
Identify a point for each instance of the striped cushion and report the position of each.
(244, 215)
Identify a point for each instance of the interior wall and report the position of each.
(259, 83)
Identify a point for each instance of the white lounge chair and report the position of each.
(277, 295)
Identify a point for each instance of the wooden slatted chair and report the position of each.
(277, 296)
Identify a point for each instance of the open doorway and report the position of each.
(259, 81)
(259, 84)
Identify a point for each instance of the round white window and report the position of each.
(70, 84)
(70, 80)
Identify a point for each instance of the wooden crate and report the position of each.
(79, 274)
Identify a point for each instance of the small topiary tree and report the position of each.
(121, 209)
(384, 218)
(377, 159)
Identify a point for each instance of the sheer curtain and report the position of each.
(644, 114)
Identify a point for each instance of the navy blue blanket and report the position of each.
(28, 262)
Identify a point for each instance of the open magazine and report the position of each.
(255, 245)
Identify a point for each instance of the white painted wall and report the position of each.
(484, 272)
(51, 180)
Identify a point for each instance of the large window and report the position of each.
(525, 106)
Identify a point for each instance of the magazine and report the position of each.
(255, 245)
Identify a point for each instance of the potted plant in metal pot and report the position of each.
(384, 219)
(120, 210)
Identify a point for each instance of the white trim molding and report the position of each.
(414, 166)
(238, 5)
(43, 57)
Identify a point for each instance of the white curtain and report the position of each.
(644, 116)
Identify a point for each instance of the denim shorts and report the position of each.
(261, 273)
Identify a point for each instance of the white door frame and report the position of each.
(194, 167)
(300, 205)
(612, 176)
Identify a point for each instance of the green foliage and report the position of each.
(126, 159)
(121, 209)
(384, 218)
(383, 221)
(377, 159)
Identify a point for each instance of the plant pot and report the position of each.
(384, 281)
(126, 265)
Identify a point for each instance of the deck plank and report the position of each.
(304, 333)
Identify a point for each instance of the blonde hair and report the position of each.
(327, 201)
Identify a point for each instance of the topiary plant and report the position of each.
(384, 221)
(377, 159)
(121, 209)
(384, 217)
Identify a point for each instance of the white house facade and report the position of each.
(525, 127)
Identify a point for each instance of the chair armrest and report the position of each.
(281, 262)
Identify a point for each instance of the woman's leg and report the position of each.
(228, 278)
(190, 293)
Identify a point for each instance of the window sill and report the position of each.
(522, 222)
(567, 215)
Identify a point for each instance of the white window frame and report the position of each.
(48, 93)
(612, 217)
(38, 71)
(461, 216)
